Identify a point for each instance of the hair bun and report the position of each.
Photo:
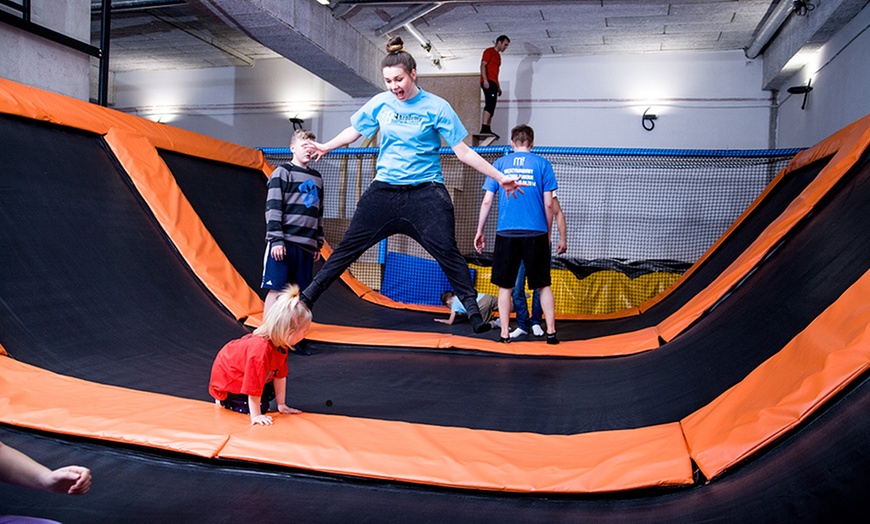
(395, 45)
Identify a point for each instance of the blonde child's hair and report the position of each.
(288, 315)
(301, 135)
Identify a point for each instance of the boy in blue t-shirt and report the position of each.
(488, 305)
(523, 232)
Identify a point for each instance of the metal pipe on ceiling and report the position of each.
(770, 27)
(406, 18)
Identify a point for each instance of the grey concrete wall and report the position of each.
(37, 62)
(840, 76)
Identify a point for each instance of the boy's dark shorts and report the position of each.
(533, 251)
(296, 268)
(239, 403)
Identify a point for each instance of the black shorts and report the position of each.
(239, 403)
(296, 268)
(533, 251)
(490, 97)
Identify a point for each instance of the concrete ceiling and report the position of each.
(340, 42)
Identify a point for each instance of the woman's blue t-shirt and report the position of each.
(411, 135)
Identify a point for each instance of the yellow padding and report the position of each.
(600, 293)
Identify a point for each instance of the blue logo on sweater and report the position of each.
(308, 189)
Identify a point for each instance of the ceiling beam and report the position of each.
(305, 32)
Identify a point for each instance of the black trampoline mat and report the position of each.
(230, 201)
(820, 474)
(127, 312)
(92, 288)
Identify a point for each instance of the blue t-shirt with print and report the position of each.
(525, 212)
(411, 133)
(458, 307)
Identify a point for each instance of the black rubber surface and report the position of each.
(230, 202)
(92, 288)
(821, 473)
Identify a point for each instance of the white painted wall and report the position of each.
(703, 100)
(244, 105)
(37, 62)
(840, 74)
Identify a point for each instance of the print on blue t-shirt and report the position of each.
(308, 189)
(525, 212)
(411, 135)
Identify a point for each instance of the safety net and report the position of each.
(636, 219)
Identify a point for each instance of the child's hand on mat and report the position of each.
(262, 420)
(287, 410)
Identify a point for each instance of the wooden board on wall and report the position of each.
(462, 92)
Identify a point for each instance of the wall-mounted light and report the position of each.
(802, 90)
(297, 122)
(648, 120)
(324, 2)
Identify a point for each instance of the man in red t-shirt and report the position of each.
(489, 66)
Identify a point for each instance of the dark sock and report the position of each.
(477, 323)
(484, 129)
(551, 338)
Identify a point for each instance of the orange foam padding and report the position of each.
(467, 458)
(787, 388)
(457, 457)
(134, 141)
(30, 102)
(608, 346)
(39, 399)
(158, 188)
(712, 249)
(849, 144)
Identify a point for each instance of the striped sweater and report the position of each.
(294, 207)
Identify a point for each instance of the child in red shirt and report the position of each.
(251, 371)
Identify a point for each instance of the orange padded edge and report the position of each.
(608, 346)
(133, 140)
(458, 457)
(30, 102)
(850, 144)
(712, 250)
(39, 399)
(787, 388)
(467, 458)
(158, 187)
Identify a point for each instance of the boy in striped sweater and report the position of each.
(294, 220)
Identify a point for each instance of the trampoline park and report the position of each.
(727, 381)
